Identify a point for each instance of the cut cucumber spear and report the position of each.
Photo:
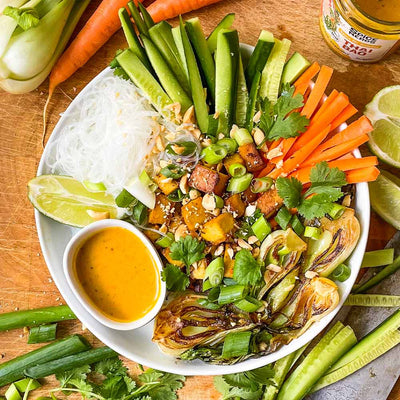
(226, 62)
(196, 85)
(242, 96)
(148, 20)
(225, 23)
(295, 66)
(260, 55)
(251, 108)
(167, 78)
(176, 34)
(140, 24)
(199, 42)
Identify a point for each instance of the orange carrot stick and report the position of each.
(329, 100)
(266, 170)
(346, 156)
(286, 146)
(368, 174)
(308, 75)
(347, 113)
(317, 91)
(302, 89)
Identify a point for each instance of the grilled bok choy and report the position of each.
(33, 35)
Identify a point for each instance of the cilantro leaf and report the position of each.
(316, 206)
(322, 175)
(188, 250)
(26, 18)
(176, 280)
(261, 375)
(110, 366)
(231, 392)
(289, 189)
(241, 380)
(245, 230)
(76, 374)
(247, 271)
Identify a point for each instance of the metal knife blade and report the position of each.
(376, 380)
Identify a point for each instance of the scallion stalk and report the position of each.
(260, 185)
(215, 272)
(12, 393)
(237, 170)
(240, 184)
(248, 304)
(229, 144)
(312, 232)
(42, 334)
(261, 228)
(341, 273)
(166, 241)
(27, 384)
(242, 136)
(377, 258)
(297, 226)
(236, 344)
(230, 294)
(336, 211)
(214, 154)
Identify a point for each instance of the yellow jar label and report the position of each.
(349, 41)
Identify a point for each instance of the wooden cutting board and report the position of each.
(25, 281)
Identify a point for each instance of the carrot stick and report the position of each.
(346, 156)
(166, 9)
(347, 113)
(286, 145)
(302, 88)
(317, 91)
(368, 174)
(329, 100)
(308, 75)
(266, 170)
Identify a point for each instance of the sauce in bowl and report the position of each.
(118, 274)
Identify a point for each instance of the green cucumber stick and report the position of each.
(226, 63)
(251, 108)
(167, 79)
(330, 348)
(242, 96)
(162, 37)
(225, 23)
(378, 258)
(139, 22)
(148, 20)
(196, 84)
(176, 34)
(199, 43)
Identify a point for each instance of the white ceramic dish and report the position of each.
(137, 345)
(68, 264)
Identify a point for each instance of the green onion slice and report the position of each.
(214, 154)
(341, 273)
(42, 334)
(184, 148)
(236, 344)
(248, 304)
(166, 241)
(176, 196)
(312, 232)
(260, 185)
(230, 294)
(238, 185)
(283, 217)
(261, 228)
(215, 272)
(336, 211)
(229, 144)
(242, 136)
(146, 181)
(237, 170)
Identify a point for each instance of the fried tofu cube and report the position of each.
(162, 210)
(236, 205)
(248, 196)
(218, 229)
(251, 157)
(269, 202)
(194, 214)
(207, 180)
(167, 254)
(233, 159)
(166, 185)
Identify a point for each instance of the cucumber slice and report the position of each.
(226, 62)
(377, 258)
(167, 78)
(225, 23)
(144, 80)
(373, 300)
(199, 42)
(295, 66)
(272, 72)
(137, 18)
(242, 96)
(251, 109)
(176, 34)
(260, 55)
(148, 20)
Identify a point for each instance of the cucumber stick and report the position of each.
(144, 80)
(196, 85)
(377, 258)
(242, 96)
(161, 35)
(204, 56)
(372, 300)
(148, 20)
(137, 18)
(272, 72)
(260, 55)
(295, 66)
(176, 34)
(226, 23)
(13, 370)
(226, 63)
(330, 348)
(167, 78)
(251, 108)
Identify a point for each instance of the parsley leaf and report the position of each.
(176, 280)
(188, 250)
(289, 189)
(247, 271)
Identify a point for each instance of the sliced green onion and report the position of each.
(283, 217)
(378, 258)
(94, 187)
(27, 384)
(172, 171)
(219, 201)
(260, 185)
(261, 228)
(297, 226)
(185, 148)
(337, 211)
(248, 304)
(341, 273)
(42, 334)
(237, 170)
(283, 251)
(147, 181)
(236, 344)
(312, 232)
(229, 144)
(242, 136)
(213, 294)
(214, 154)
(12, 393)
(230, 294)
(124, 199)
(166, 241)
(215, 272)
(238, 185)
(176, 196)
(209, 304)
(373, 300)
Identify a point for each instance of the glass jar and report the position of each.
(355, 35)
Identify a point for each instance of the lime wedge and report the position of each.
(67, 200)
(385, 197)
(385, 105)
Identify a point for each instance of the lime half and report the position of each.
(385, 197)
(384, 113)
(68, 201)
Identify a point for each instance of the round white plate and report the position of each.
(137, 345)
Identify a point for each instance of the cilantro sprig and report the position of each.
(247, 270)
(280, 120)
(318, 200)
(175, 279)
(188, 250)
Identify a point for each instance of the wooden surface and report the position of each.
(25, 281)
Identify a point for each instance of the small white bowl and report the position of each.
(68, 263)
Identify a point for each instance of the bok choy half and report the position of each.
(33, 34)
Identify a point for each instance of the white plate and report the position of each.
(137, 345)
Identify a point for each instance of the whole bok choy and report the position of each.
(33, 34)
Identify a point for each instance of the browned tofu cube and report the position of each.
(233, 159)
(236, 205)
(161, 213)
(166, 253)
(194, 214)
(248, 196)
(221, 185)
(207, 180)
(166, 185)
(218, 229)
(251, 157)
(269, 202)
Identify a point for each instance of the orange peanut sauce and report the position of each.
(384, 10)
